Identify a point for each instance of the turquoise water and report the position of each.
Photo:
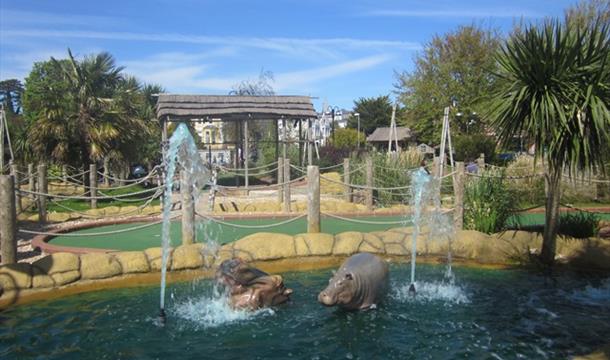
(487, 314)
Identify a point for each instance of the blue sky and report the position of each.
(337, 51)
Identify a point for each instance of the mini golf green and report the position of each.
(151, 236)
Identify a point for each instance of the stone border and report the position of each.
(67, 273)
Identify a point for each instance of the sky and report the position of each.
(334, 51)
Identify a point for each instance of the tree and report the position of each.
(469, 147)
(10, 95)
(561, 102)
(374, 112)
(586, 12)
(347, 138)
(456, 64)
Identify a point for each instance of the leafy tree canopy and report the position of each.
(454, 65)
(374, 112)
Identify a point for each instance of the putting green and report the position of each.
(151, 236)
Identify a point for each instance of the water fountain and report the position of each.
(181, 151)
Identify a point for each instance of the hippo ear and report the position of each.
(349, 276)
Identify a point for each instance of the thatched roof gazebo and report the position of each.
(384, 135)
(239, 110)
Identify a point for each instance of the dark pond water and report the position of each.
(502, 314)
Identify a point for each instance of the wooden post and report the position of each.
(286, 206)
(436, 166)
(481, 162)
(93, 185)
(369, 183)
(313, 199)
(246, 155)
(458, 188)
(8, 220)
(31, 179)
(188, 208)
(44, 189)
(107, 171)
(346, 180)
(310, 143)
(280, 179)
(15, 174)
(64, 173)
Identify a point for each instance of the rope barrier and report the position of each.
(254, 187)
(504, 176)
(98, 233)
(207, 217)
(364, 186)
(243, 169)
(403, 222)
(86, 197)
(139, 208)
(250, 174)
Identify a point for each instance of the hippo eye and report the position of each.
(349, 276)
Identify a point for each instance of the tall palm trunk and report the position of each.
(551, 221)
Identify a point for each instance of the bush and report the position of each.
(330, 155)
(469, 147)
(529, 191)
(578, 224)
(348, 138)
(488, 202)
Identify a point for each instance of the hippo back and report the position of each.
(370, 276)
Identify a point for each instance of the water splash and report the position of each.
(596, 296)
(182, 151)
(432, 291)
(213, 311)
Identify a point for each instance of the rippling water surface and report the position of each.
(485, 314)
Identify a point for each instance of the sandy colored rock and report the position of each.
(96, 212)
(478, 246)
(15, 276)
(345, 207)
(332, 185)
(98, 266)
(390, 237)
(373, 242)
(590, 254)
(187, 257)
(266, 246)
(154, 258)
(58, 217)
(347, 243)
(58, 263)
(319, 244)
(66, 277)
(132, 261)
(41, 279)
(396, 249)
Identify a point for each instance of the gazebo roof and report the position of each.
(383, 134)
(186, 107)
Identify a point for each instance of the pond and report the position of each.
(503, 314)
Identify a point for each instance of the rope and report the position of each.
(147, 203)
(98, 233)
(250, 174)
(587, 181)
(243, 169)
(364, 186)
(87, 197)
(254, 187)
(504, 176)
(250, 226)
(365, 221)
(395, 169)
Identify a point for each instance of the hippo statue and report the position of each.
(359, 284)
(250, 288)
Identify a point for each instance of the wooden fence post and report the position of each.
(31, 181)
(64, 173)
(346, 180)
(481, 162)
(16, 177)
(43, 188)
(8, 220)
(280, 179)
(107, 171)
(93, 185)
(313, 199)
(286, 206)
(188, 208)
(436, 165)
(458, 188)
(369, 183)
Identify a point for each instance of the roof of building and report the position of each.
(383, 134)
(227, 106)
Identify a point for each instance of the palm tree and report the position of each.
(92, 83)
(555, 88)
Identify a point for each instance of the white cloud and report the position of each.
(328, 48)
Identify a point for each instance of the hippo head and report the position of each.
(340, 290)
(236, 272)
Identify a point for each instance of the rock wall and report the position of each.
(60, 269)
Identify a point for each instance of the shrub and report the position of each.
(578, 224)
(469, 147)
(488, 202)
(529, 191)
